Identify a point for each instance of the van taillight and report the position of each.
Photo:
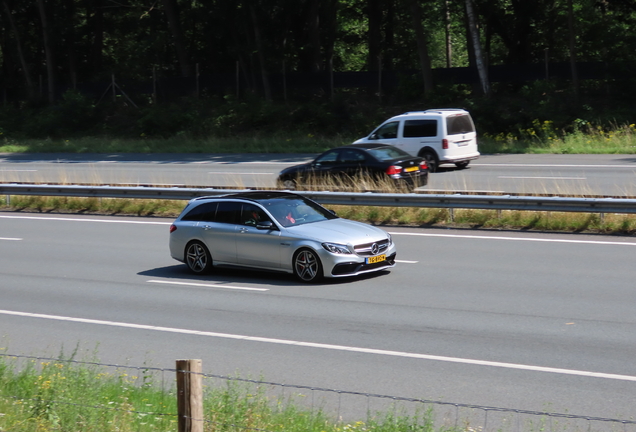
(445, 144)
(173, 228)
(393, 170)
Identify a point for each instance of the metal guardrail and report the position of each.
(457, 201)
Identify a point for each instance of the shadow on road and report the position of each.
(226, 275)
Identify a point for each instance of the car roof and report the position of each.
(253, 196)
(366, 146)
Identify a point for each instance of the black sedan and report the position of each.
(380, 161)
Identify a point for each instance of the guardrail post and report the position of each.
(190, 395)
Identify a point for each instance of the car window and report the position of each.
(227, 212)
(386, 131)
(252, 214)
(329, 158)
(295, 210)
(459, 124)
(202, 212)
(351, 156)
(387, 153)
(420, 128)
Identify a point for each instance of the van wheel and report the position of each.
(431, 161)
(462, 165)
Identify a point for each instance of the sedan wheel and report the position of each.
(289, 184)
(307, 266)
(198, 258)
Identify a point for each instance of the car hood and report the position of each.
(296, 168)
(339, 230)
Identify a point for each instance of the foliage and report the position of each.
(65, 394)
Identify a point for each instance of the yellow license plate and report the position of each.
(411, 169)
(376, 259)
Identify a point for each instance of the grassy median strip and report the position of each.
(622, 224)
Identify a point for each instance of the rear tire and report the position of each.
(431, 161)
(462, 165)
(198, 258)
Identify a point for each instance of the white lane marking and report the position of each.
(534, 239)
(10, 239)
(18, 170)
(555, 165)
(85, 220)
(207, 285)
(406, 262)
(328, 346)
(544, 178)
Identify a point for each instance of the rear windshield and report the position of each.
(459, 124)
(387, 153)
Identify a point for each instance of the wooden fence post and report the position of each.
(190, 395)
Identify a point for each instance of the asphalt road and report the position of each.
(525, 321)
(607, 175)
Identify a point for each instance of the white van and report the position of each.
(441, 136)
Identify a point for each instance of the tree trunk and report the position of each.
(374, 14)
(48, 50)
(23, 62)
(422, 46)
(482, 69)
(447, 29)
(261, 56)
(172, 15)
(572, 49)
(313, 30)
(96, 23)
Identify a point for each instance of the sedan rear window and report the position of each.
(387, 153)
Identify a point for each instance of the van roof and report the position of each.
(437, 111)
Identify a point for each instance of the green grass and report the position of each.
(541, 138)
(384, 216)
(65, 395)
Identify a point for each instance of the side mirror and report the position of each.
(265, 225)
(333, 212)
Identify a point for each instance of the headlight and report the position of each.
(336, 248)
(390, 239)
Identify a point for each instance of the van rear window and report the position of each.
(420, 128)
(460, 124)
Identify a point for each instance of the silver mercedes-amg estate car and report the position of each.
(278, 231)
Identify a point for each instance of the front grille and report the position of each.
(366, 249)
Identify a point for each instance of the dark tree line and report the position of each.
(52, 44)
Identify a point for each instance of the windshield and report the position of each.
(295, 210)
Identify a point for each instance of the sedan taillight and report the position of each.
(393, 170)
(423, 165)
(173, 228)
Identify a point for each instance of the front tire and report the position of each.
(198, 258)
(288, 184)
(307, 266)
